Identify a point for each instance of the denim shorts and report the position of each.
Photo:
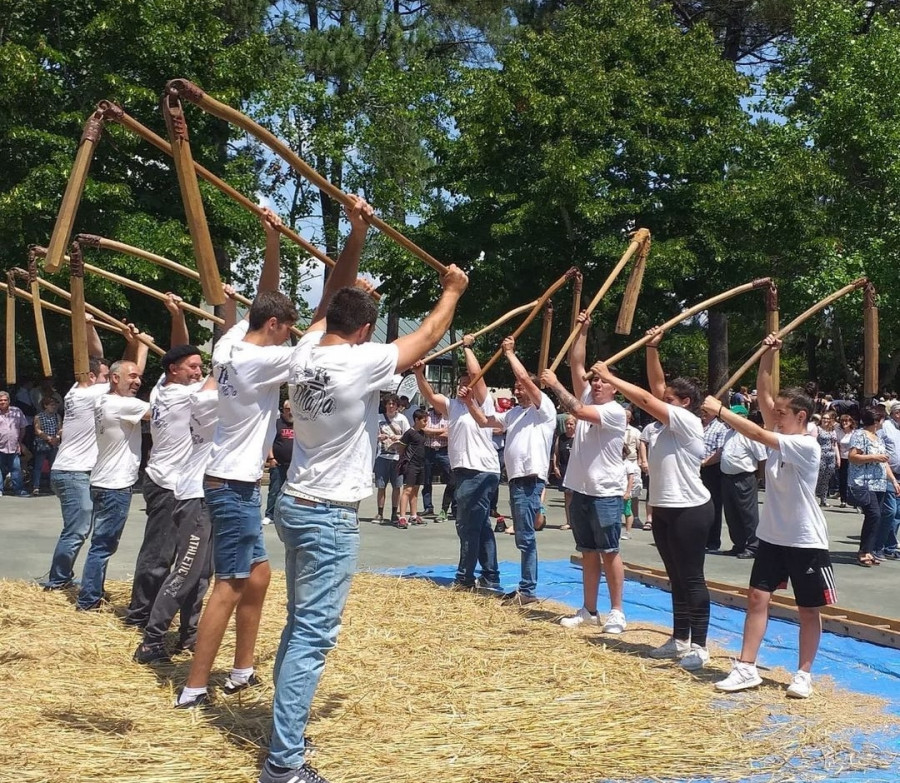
(237, 526)
(596, 522)
(387, 472)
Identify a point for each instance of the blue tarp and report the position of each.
(854, 665)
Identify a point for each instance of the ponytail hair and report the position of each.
(690, 389)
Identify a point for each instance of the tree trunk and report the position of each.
(717, 356)
(812, 365)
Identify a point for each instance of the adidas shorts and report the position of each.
(809, 571)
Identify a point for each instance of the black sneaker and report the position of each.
(304, 774)
(151, 653)
(185, 645)
(202, 700)
(230, 687)
(515, 598)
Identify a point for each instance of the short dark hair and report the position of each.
(419, 414)
(798, 400)
(95, 363)
(392, 398)
(690, 389)
(348, 310)
(271, 304)
(177, 354)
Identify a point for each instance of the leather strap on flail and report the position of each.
(10, 283)
(544, 356)
(88, 240)
(32, 265)
(93, 128)
(172, 106)
(76, 260)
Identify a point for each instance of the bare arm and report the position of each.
(136, 350)
(655, 375)
(765, 394)
(270, 276)
(715, 407)
(179, 333)
(346, 270)
(568, 401)
(481, 418)
(94, 346)
(640, 397)
(578, 354)
(642, 455)
(412, 347)
(229, 309)
(437, 401)
(479, 390)
(521, 374)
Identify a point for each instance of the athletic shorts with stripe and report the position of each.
(809, 571)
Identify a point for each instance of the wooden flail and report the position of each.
(753, 285)
(113, 112)
(870, 330)
(54, 308)
(65, 219)
(182, 88)
(638, 239)
(10, 328)
(176, 125)
(39, 328)
(79, 325)
(633, 289)
(545, 337)
(786, 330)
(772, 318)
(489, 328)
(538, 306)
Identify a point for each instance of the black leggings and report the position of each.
(680, 536)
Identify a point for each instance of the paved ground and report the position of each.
(29, 528)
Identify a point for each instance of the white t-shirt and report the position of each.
(791, 515)
(596, 466)
(632, 469)
(676, 451)
(529, 438)
(468, 445)
(393, 428)
(632, 443)
(204, 414)
(170, 427)
(334, 394)
(78, 447)
(117, 420)
(740, 454)
(250, 378)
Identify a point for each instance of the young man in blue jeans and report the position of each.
(335, 378)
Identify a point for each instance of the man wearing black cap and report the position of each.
(170, 406)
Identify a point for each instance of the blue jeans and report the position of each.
(110, 514)
(321, 546)
(11, 464)
(238, 542)
(886, 536)
(525, 505)
(73, 488)
(477, 544)
(438, 459)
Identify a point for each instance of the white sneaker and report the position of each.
(580, 617)
(267, 520)
(615, 622)
(625, 536)
(801, 685)
(673, 648)
(696, 659)
(743, 675)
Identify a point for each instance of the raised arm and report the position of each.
(569, 402)
(270, 276)
(640, 397)
(346, 270)
(473, 368)
(135, 350)
(578, 354)
(521, 374)
(94, 346)
(655, 375)
(481, 418)
(412, 347)
(715, 407)
(765, 394)
(437, 401)
(229, 309)
(179, 333)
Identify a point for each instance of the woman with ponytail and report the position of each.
(682, 508)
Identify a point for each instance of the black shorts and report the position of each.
(809, 570)
(413, 475)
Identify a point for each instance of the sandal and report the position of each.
(866, 561)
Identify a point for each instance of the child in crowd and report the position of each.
(412, 467)
(632, 495)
